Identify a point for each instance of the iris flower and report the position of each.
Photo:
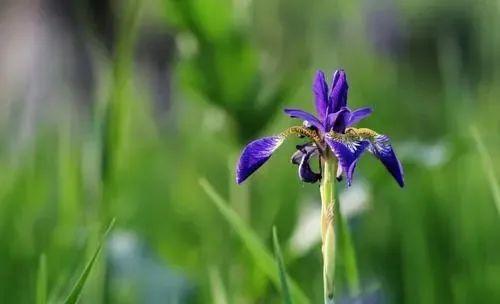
(330, 132)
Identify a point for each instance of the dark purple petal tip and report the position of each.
(382, 149)
(306, 174)
(255, 155)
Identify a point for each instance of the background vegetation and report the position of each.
(118, 110)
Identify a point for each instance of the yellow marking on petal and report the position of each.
(361, 132)
(297, 130)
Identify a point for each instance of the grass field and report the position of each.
(184, 232)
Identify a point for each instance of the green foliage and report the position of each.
(262, 258)
(41, 281)
(435, 241)
(285, 291)
(77, 289)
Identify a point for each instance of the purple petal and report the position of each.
(301, 151)
(347, 153)
(255, 155)
(305, 172)
(338, 121)
(382, 149)
(296, 113)
(357, 115)
(320, 90)
(338, 92)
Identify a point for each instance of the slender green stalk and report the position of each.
(285, 290)
(41, 282)
(488, 167)
(327, 226)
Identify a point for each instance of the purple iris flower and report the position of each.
(329, 133)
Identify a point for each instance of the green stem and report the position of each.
(327, 226)
(331, 218)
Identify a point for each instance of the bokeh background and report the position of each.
(117, 109)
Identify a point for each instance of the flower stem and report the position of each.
(327, 226)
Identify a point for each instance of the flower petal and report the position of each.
(255, 155)
(382, 149)
(338, 92)
(347, 150)
(357, 115)
(337, 121)
(305, 172)
(296, 113)
(301, 151)
(320, 90)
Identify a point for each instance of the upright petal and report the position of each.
(320, 90)
(338, 92)
(255, 155)
(382, 149)
(296, 113)
(337, 121)
(347, 150)
(357, 115)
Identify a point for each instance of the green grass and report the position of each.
(233, 66)
(77, 289)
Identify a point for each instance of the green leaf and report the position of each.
(77, 289)
(41, 281)
(219, 294)
(261, 256)
(285, 290)
(488, 167)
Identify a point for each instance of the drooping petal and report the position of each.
(305, 172)
(382, 149)
(347, 150)
(357, 115)
(338, 92)
(320, 90)
(296, 113)
(337, 121)
(301, 151)
(380, 146)
(255, 155)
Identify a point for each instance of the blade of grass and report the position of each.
(263, 259)
(487, 166)
(285, 290)
(219, 294)
(41, 281)
(78, 287)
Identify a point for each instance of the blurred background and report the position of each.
(117, 109)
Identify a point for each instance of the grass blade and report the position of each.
(41, 281)
(285, 290)
(219, 294)
(488, 167)
(76, 291)
(261, 256)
